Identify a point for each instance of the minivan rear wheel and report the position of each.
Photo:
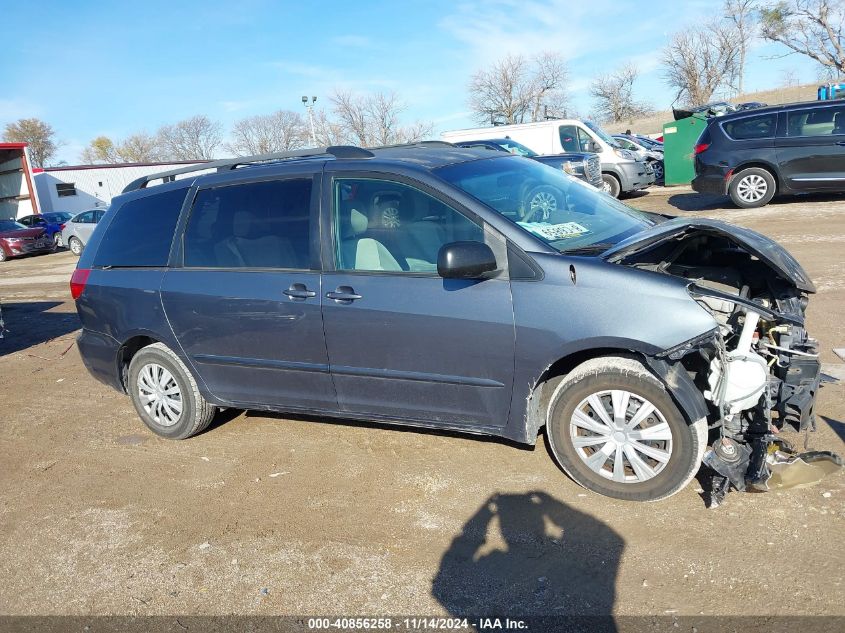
(615, 430)
(752, 187)
(165, 394)
(611, 185)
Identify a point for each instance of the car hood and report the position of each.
(765, 249)
(22, 233)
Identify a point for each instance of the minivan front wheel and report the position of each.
(752, 187)
(165, 394)
(615, 430)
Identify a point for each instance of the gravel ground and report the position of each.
(268, 514)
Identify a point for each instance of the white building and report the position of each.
(82, 187)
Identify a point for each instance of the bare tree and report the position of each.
(195, 138)
(516, 89)
(38, 135)
(374, 119)
(789, 78)
(139, 148)
(813, 28)
(100, 150)
(327, 131)
(742, 14)
(264, 133)
(614, 95)
(700, 60)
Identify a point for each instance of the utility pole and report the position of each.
(310, 108)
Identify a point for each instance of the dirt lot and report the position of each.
(263, 514)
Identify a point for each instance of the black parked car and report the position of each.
(583, 165)
(786, 149)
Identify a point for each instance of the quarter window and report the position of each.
(752, 127)
(254, 225)
(388, 226)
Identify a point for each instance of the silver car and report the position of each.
(78, 230)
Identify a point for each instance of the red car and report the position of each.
(16, 239)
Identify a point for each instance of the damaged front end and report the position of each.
(759, 369)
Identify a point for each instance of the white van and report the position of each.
(621, 171)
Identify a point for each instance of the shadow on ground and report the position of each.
(30, 323)
(530, 555)
(837, 426)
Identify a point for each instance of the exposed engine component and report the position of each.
(759, 370)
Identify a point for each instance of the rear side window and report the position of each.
(254, 225)
(752, 127)
(141, 232)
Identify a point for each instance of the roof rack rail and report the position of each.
(417, 144)
(225, 164)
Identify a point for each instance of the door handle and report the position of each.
(343, 294)
(840, 142)
(299, 291)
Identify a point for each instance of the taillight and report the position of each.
(61, 227)
(701, 147)
(77, 281)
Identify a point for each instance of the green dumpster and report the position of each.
(679, 139)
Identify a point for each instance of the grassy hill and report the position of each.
(653, 124)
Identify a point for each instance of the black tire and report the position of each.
(751, 188)
(685, 447)
(612, 186)
(540, 202)
(196, 413)
(75, 246)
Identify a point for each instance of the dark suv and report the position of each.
(416, 285)
(787, 149)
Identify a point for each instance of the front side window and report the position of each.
(84, 218)
(387, 226)
(254, 225)
(517, 148)
(816, 121)
(567, 214)
(569, 138)
(751, 127)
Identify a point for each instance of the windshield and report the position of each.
(566, 213)
(513, 147)
(9, 225)
(607, 138)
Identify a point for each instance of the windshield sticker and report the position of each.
(555, 231)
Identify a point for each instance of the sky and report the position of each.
(114, 68)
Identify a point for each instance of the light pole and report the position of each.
(310, 108)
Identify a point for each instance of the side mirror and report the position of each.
(465, 260)
(596, 147)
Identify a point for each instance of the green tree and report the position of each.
(39, 135)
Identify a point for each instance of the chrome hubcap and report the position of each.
(160, 395)
(390, 218)
(752, 188)
(542, 205)
(76, 247)
(621, 436)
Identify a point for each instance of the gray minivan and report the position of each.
(415, 285)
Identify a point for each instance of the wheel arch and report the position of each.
(759, 164)
(127, 351)
(673, 377)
